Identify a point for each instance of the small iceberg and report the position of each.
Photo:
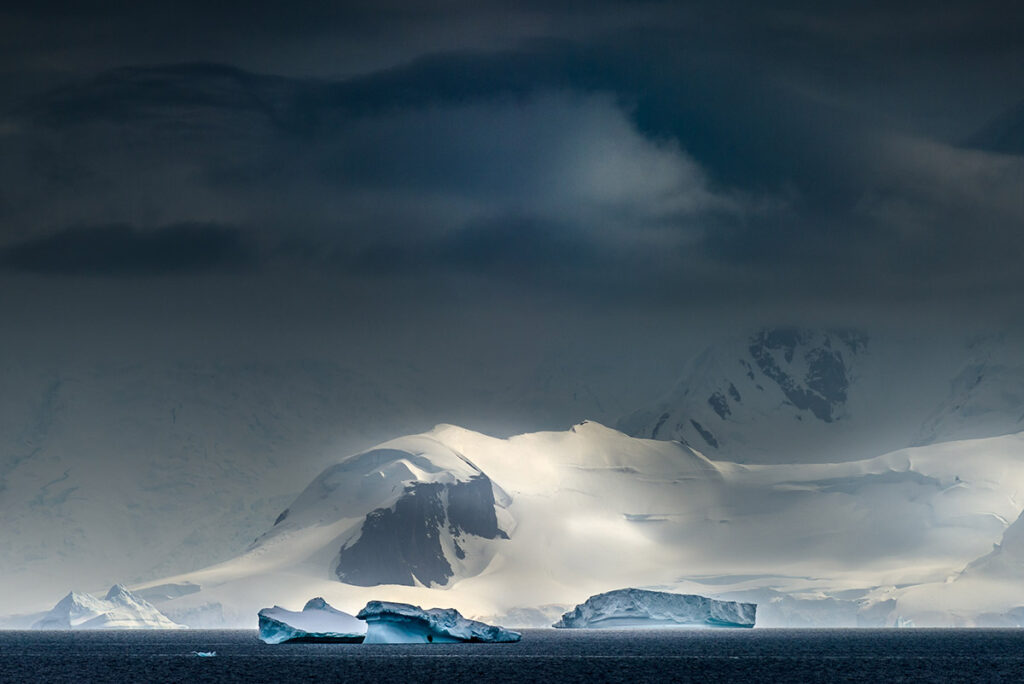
(204, 654)
(638, 608)
(402, 623)
(317, 622)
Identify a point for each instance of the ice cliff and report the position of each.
(639, 608)
(402, 623)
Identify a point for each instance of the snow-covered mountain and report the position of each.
(204, 457)
(420, 506)
(119, 609)
(497, 527)
(171, 466)
(779, 395)
(810, 395)
(164, 468)
(986, 396)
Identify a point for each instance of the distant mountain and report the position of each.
(986, 396)
(419, 505)
(127, 472)
(803, 395)
(119, 609)
(774, 376)
(513, 526)
(776, 395)
(171, 466)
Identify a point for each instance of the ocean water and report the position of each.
(761, 655)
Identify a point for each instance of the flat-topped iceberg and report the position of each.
(632, 608)
(316, 622)
(402, 623)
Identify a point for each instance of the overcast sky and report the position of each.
(306, 177)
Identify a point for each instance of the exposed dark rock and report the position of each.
(706, 434)
(471, 509)
(661, 421)
(402, 544)
(720, 404)
(826, 383)
(750, 371)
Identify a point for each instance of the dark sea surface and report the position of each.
(758, 655)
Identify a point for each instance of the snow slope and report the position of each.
(786, 395)
(169, 466)
(986, 395)
(551, 518)
(201, 457)
(988, 592)
(165, 468)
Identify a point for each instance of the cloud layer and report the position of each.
(120, 250)
(769, 155)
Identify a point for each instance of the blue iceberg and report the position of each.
(638, 608)
(402, 623)
(317, 622)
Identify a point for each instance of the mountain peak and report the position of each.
(117, 592)
(782, 376)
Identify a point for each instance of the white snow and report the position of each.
(882, 389)
(119, 609)
(316, 621)
(204, 455)
(133, 469)
(591, 509)
(985, 396)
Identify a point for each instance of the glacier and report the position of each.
(119, 609)
(633, 608)
(403, 623)
(892, 389)
(318, 621)
(591, 509)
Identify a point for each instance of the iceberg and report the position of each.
(633, 608)
(402, 623)
(119, 609)
(318, 621)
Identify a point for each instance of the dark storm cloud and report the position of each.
(304, 38)
(781, 149)
(1003, 134)
(738, 124)
(126, 251)
(516, 245)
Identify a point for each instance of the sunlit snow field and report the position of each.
(865, 655)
